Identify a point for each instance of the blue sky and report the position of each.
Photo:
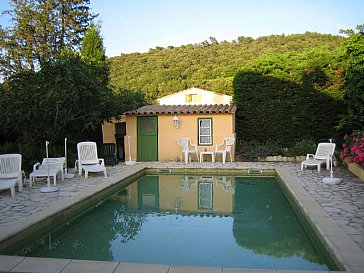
(138, 25)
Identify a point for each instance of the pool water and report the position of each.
(215, 221)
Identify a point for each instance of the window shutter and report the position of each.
(187, 98)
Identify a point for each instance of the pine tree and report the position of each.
(93, 53)
(92, 49)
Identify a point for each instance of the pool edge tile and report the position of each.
(7, 263)
(141, 268)
(192, 269)
(247, 270)
(90, 266)
(36, 264)
(324, 225)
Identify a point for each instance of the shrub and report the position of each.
(353, 148)
(253, 149)
(303, 147)
(289, 97)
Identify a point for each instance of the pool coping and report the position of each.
(342, 247)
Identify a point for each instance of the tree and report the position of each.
(40, 31)
(93, 53)
(63, 99)
(213, 67)
(354, 87)
(92, 48)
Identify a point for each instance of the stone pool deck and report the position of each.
(337, 211)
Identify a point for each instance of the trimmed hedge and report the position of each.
(286, 98)
(271, 109)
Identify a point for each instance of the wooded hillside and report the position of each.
(210, 65)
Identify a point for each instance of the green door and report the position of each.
(147, 138)
(148, 192)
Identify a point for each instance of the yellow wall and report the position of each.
(168, 148)
(108, 130)
(170, 192)
(223, 125)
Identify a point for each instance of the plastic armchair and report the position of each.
(11, 173)
(225, 148)
(187, 148)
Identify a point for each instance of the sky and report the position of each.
(139, 25)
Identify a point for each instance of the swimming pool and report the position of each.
(221, 221)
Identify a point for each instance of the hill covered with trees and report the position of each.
(212, 65)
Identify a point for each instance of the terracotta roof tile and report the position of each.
(183, 109)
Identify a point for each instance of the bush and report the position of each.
(289, 97)
(353, 148)
(270, 109)
(251, 150)
(303, 147)
(63, 99)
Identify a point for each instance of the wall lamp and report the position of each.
(175, 121)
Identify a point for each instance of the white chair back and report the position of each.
(10, 166)
(228, 143)
(187, 148)
(184, 143)
(325, 150)
(87, 152)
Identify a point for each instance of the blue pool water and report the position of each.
(219, 221)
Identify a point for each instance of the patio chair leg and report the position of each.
(12, 191)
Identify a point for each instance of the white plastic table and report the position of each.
(207, 153)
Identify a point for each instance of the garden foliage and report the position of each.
(209, 65)
(353, 148)
(63, 99)
(286, 98)
(41, 31)
(51, 90)
(353, 119)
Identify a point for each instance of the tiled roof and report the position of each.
(183, 109)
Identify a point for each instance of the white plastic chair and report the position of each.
(187, 182)
(10, 172)
(324, 154)
(187, 148)
(225, 148)
(52, 166)
(88, 159)
(226, 183)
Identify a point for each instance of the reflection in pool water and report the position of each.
(220, 221)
